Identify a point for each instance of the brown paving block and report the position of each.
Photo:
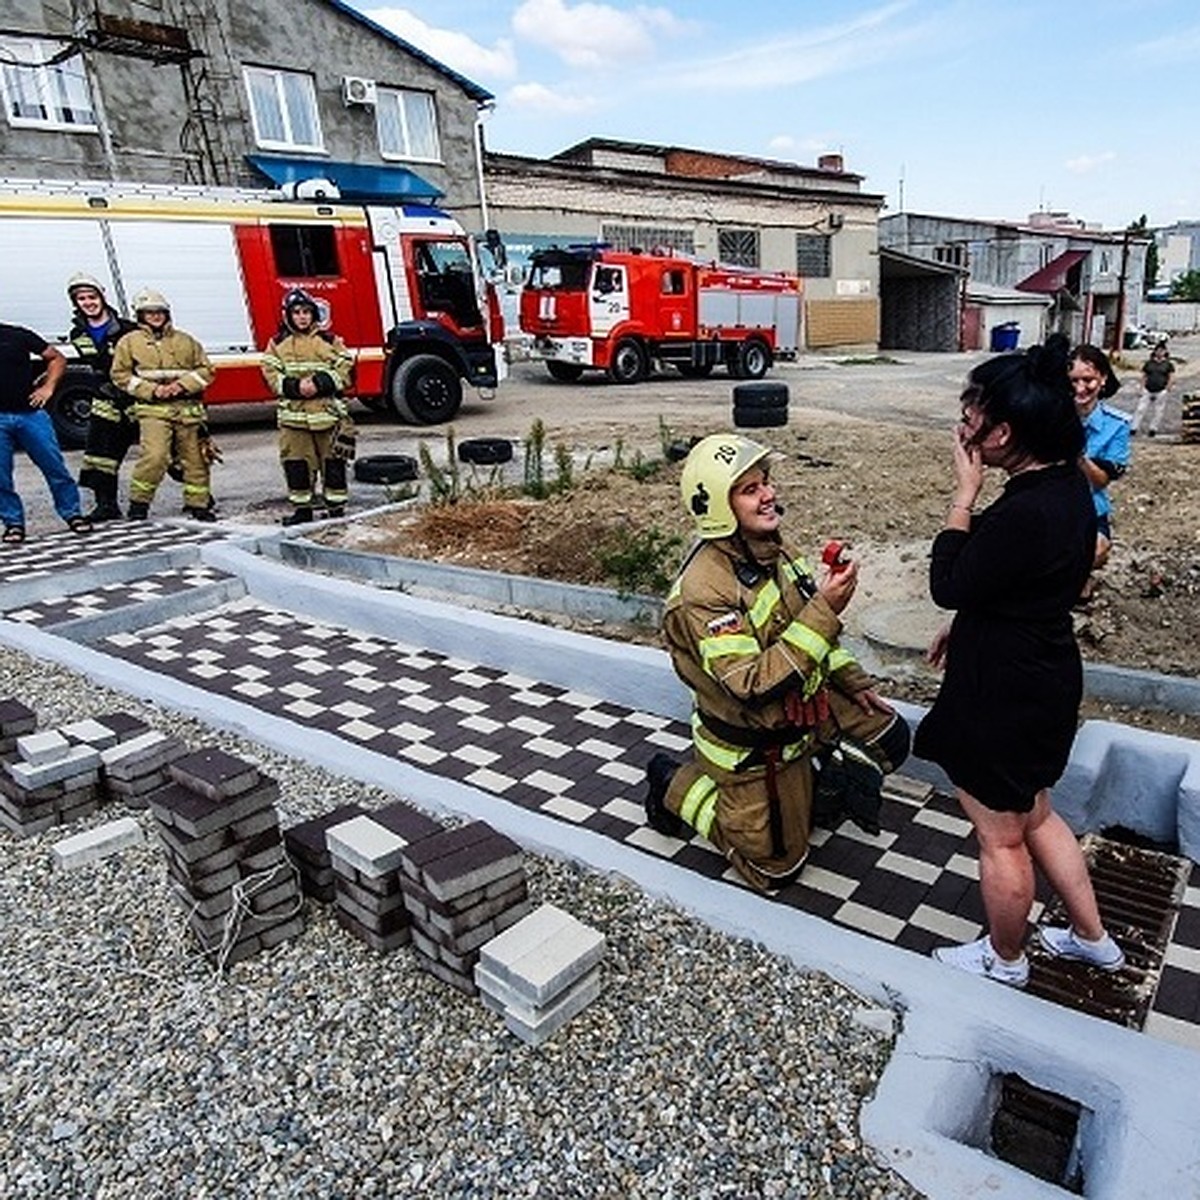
(307, 838)
(189, 811)
(384, 944)
(407, 822)
(16, 719)
(459, 861)
(214, 773)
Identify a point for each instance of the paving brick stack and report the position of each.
(306, 845)
(15, 721)
(136, 765)
(365, 852)
(225, 856)
(461, 887)
(541, 972)
(50, 782)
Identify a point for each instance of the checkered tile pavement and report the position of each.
(581, 760)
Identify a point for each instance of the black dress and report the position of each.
(1005, 717)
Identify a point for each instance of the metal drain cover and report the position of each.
(1139, 892)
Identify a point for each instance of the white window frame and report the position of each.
(398, 99)
(52, 85)
(278, 79)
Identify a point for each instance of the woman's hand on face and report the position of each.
(838, 586)
(968, 468)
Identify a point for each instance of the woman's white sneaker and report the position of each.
(1066, 943)
(980, 958)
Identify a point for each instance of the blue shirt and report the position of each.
(1107, 432)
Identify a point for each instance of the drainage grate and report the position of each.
(1036, 1131)
(1139, 892)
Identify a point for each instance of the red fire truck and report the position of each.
(594, 308)
(401, 283)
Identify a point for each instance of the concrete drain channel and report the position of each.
(1038, 1132)
(1139, 892)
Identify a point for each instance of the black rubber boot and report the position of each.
(139, 510)
(106, 508)
(335, 510)
(659, 817)
(298, 516)
(201, 514)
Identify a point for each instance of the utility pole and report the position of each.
(1119, 344)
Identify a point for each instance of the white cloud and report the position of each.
(1084, 164)
(536, 97)
(782, 142)
(594, 35)
(456, 50)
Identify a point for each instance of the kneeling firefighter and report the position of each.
(309, 369)
(755, 638)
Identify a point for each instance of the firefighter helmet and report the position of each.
(81, 279)
(299, 298)
(714, 465)
(149, 298)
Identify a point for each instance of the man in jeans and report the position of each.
(25, 425)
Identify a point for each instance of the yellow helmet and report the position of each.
(81, 279)
(149, 298)
(713, 466)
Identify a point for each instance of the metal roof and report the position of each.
(1053, 276)
(355, 181)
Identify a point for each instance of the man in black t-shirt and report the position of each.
(25, 425)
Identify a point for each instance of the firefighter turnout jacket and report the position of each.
(757, 644)
(291, 357)
(144, 359)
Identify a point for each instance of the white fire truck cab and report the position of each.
(589, 307)
(400, 284)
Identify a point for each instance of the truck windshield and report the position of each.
(446, 278)
(559, 274)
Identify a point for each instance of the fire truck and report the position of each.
(590, 307)
(400, 284)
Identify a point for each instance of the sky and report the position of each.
(968, 108)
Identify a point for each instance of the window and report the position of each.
(407, 124)
(954, 255)
(42, 93)
(283, 106)
(304, 251)
(738, 247)
(649, 237)
(674, 283)
(812, 255)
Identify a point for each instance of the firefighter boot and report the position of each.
(105, 491)
(301, 515)
(659, 817)
(139, 510)
(201, 514)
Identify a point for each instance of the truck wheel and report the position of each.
(694, 370)
(564, 372)
(385, 468)
(426, 390)
(485, 451)
(628, 363)
(751, 359)
(70, 408)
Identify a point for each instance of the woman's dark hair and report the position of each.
(1096, 358)
(1031, 393)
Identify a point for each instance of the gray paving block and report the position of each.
(141, 754)
(543, 953)
(30, 827)
(556, 1015)
(214, 773)
(90, 732)
(45, 747)
(76, 762)
(464, 983)
(306, 839)
(366, 845)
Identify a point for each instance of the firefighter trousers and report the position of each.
(163, 438)
(754, 804)
(305, 455)
(112, 430)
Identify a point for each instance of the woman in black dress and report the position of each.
(1005, 718)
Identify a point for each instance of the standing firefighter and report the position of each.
(755, 638)
(166, 371)
(96, 328)
(309, 368)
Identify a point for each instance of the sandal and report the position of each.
(80, 524)
(14, 535)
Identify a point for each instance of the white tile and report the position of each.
(362, 731)
(268, 651)
(647, 839)
(531, 725)
(1191, 897)
(465, 704)
(479, 724)
(547, 781)
(578, 699)
(254, 690)
(421, 704)
(1184, 957)
(206, 670)
(962, 864)
(599, 749)
(490, 781)
(858, 916)
(412, 686)
(1171, 1029)
(470, 679)
(622, 771)
(829, 882)
(303, 708)
(419, 752)
(365, 684)
(589, 716)
(352, 709)
(410, 732)
(301, 691)
(647, 720)
(309, 651)
(531, 699)
(569, 810)
(356, 667)
(880, 841)
(547, 747)
(626, 810)
(909, 867)
(162, 655)
(957, 929)
(956, 826)
(250, 671)
(477, 756)
(669, 741)
(519, 682)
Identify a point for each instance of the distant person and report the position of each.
(1106, 450)
(309, 369)
(112, 428)
(1005, 716)
(754, 636)
(166, 371)
(1156, 379)
(25, 425)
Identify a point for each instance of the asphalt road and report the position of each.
(593, 417)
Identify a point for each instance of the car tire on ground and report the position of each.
(759, 418)
(485, 451)
(760, 395)
(385, 468)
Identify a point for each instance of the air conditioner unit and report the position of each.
(356, 90)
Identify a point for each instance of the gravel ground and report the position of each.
(706, 1068)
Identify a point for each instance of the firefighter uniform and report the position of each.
(112, 428)
(757, 644)
(315, 432)
(153, 357)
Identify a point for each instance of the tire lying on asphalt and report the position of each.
(765, 394)
(485, 451)
(385, 468)
(759, 418)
